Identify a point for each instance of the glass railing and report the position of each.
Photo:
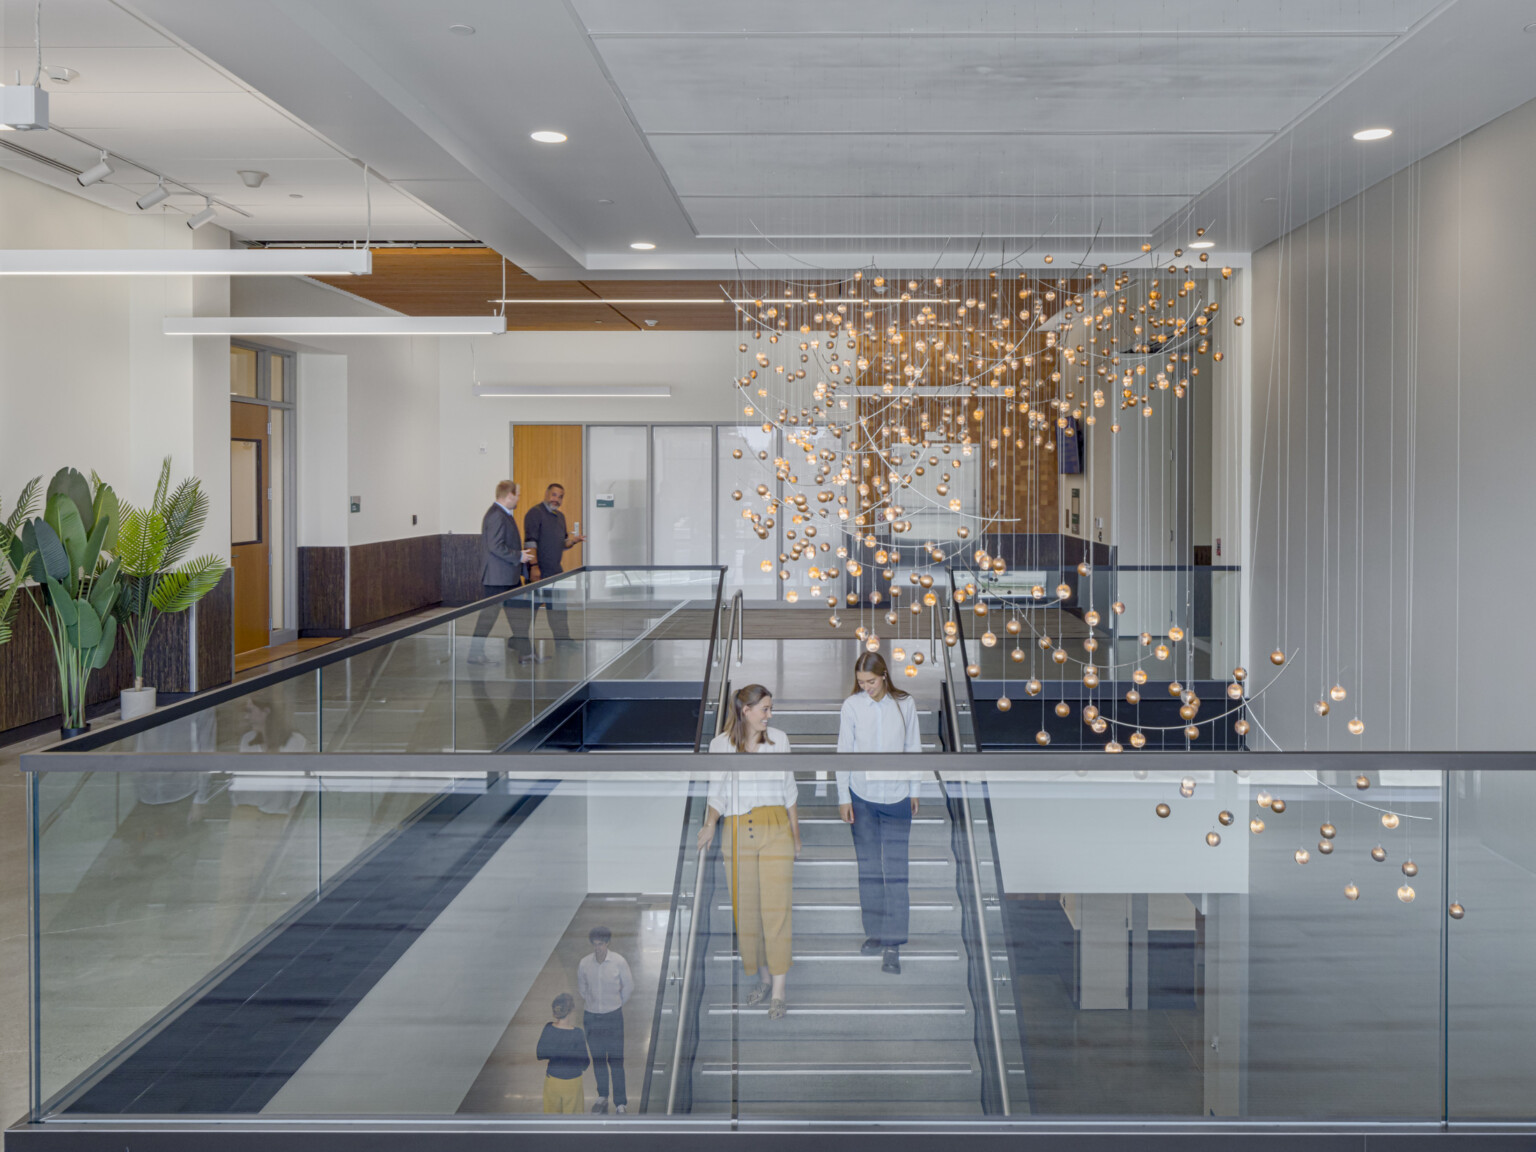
(472, 679)
(1322, 940)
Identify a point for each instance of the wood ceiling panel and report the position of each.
(468, 282)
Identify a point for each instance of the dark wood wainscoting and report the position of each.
(323, 592)
(393, 577)
(29, 683)
(462, 561)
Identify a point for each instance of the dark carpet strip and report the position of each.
(232, 1050)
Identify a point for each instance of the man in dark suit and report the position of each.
(544, 529)
(506, 562)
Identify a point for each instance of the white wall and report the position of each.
(476, 444)
(1393, 418)
(633, 828)
(88, 379)
(391, 435)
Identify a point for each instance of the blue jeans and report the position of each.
(881, 834)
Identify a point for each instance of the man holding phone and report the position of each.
(505, 565)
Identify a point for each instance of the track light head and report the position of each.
(251, 177)
(202, 217)
(96, 173)
(156, 194)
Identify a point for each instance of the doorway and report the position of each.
(262, 497)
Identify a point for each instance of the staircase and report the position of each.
(857, 1042)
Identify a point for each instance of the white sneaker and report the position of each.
(621, 1108)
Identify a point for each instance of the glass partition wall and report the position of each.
(1170, 940)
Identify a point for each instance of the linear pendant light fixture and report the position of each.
(335, 325)
(575, 391)
(185, 262)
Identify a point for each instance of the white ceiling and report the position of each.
(798, 131)
(142, 95)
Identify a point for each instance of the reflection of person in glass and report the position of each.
(263, 868)
(879, 717)
(760, 811)
(565, 1047)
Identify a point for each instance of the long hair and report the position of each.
(740, 702)
(874, 663)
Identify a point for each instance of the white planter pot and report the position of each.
(137, 702)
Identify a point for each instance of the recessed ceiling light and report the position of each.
(462, 29)
(643, 245)
(1373, 133)
(295, 195)
(605, 201)
(1203, 244)
(548, 136)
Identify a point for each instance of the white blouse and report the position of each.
(752, 789)
(884, 725)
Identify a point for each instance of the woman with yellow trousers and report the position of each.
(759, 808)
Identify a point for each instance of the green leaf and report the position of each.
(9, 602)
(184, 587)
(103, 651)
(64, 518)
(87, 625)
(162, 486)
(26, 508)
(185, 514)
(63, 603)
(38, 538)
(141, 541)
(104, 511)
(103, 592)
(68, 482)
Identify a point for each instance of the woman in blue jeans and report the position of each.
(879, 804)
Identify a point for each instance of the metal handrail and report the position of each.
(682, 1000)
(986, 951)
(735, 629)
(709, 660)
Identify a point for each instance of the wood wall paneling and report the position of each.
(323, 591)
(543, 454)
(462, 562)
(393, 577)
(215, 625)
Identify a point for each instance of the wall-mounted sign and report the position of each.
(604, 499)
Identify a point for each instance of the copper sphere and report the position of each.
(1146, 639)
(1277, 806)
(1044, 641)
(1063, 709)
(1410, 869)
(917, 657)
(1113, 746)
(981, 608)
(1118, 607)
(1091, 618)
(1302, 855)
(1175, 633)
(1263, 799)
(1174, 688)
(1213, 838)
(1337, 693)
(911, 670)
(1351, 892)
(1241, 727)
(973, 670)
(1356, 726)
(1321, 707)
(1138, 740)
(1389, 820)
(1255, 825)
(1277, 657)
(1161, 651)
(1239, 674)
(1325, 847)
(988, 639)
(1003, 703)
(1132, 696)
(1090, 679)
(1163, 810)
(1090, 713)
(1192, 733)
(1012, 627)
(1187, 711)
(1099, 725)
(1235, 691)
(1017, 655)
(1042, 737)
(1328, 831)
(1406, 894)
(1063, 591)
(1139, 676)
(1032, 687)
(1225, 817)
(1378, 853)
(1362, 782)
(1456, 911)
(1187, 786)
(1059, 655)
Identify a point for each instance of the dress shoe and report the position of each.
(870, 947)
(891, 962)
(601, 1105)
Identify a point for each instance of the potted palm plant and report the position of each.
(11, 579)
(67, 554)
(157, 578)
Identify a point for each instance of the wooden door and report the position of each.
(545, 454)
(250, 522)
